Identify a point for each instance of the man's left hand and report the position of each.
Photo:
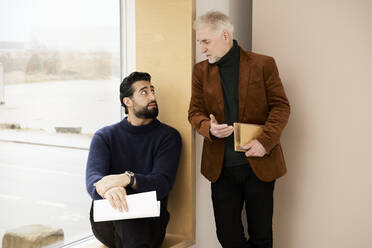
(117, 198)
(111, 181)
(255, 149)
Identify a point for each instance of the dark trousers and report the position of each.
(133, 233)
(236, 186)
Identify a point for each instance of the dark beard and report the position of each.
(146, 113)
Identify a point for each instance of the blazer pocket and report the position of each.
(271, 166)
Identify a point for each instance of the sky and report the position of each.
(62, 24)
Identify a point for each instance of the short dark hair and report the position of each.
(126, 89)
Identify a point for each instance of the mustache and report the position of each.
(152, 103)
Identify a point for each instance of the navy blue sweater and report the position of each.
(151, 151)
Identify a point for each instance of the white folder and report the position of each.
(141, 205)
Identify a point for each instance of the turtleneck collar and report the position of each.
(231, 57)
(139, 129)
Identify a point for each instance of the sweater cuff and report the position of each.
(139, 183)
(96, 196)
(143, 184)
(212, 136)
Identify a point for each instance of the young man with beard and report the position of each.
(138, 154)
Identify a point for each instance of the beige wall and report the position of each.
(164, 48)
(324, 54)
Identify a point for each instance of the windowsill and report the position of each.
(176, 241)
(170, 241)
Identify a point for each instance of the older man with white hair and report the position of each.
(234, 85)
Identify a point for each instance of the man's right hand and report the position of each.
(220, 130)
(111, 181)
(116, 197)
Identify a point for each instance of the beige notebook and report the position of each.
(244, 133)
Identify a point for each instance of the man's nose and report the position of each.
(203, 49)
(152, 96)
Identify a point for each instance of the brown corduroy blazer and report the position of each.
(262, 100)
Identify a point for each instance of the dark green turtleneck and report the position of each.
(229, 71)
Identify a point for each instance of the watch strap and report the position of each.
(131, 181)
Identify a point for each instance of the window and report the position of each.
(59, 79)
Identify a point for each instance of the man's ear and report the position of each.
(127, 101)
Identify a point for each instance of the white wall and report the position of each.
(324, 54)
(239, 12)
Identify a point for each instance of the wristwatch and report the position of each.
(131, 178)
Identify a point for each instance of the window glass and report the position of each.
(59, 82)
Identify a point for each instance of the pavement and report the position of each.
(42, 184)
(41, 170)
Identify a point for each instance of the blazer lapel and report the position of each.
(244, 80)
(215, 89)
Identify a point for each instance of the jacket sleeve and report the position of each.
(98, 164)
(278, 106)
(165, 167)
(198, 114)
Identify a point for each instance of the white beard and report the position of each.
(213, 60)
